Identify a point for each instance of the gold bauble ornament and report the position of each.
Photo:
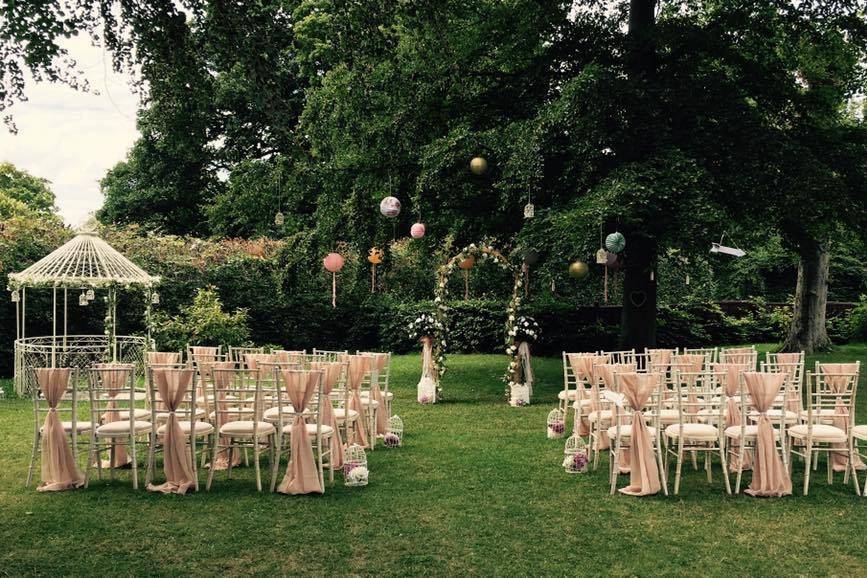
(578, 270)
(479, 165)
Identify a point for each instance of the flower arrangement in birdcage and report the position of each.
(425, 400)
(575, 450)
(391, 440)
(527, 329)
(395, 426)
(355, 472)
(556, 424)
(422, 326)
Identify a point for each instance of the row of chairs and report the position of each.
(226, 408)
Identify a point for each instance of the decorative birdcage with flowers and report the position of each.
(556, 424)
(355, 472)
(395, 426)
(575, 458)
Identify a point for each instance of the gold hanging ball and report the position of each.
(578, 270)
(479, 165)
(375, 255)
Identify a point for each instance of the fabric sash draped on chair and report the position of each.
(59, 470)
(644, 471)
(173, 386)
(358, 365)
(330, 376)
(606, 371)
(163, 357)
(659, 360)
(787, 363)
(837, 376)
(582, 366)
(770, 478)
(731, 373)
(740, 356)
(252, 360)
(203, 355)
(378, 362)
(222, 380)
(302, 474)
(114, 376)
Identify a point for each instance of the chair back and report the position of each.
(711, 354)
(741, 355)
(236, 354)
(111, 389)
(67, 405)
(237, 394)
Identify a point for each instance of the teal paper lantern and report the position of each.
(615, 242)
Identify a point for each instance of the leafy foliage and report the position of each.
(202, 323)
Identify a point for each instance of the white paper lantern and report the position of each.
(390, 206)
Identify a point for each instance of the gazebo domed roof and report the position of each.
(84, 261)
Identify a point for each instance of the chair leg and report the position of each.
(615, 466)
(741, 452)
(215, 446)
(663, 474)
(829, 468)
(725, 467)
(112, 450)
(276, 444)
(851, 466)
(134, 462)
(230, 451)
(149, 472)
(33, 454)
(707, 467)
(808, 454)
(679, 465)
(256, 465)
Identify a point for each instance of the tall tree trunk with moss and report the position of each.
(807, 332)
(638, 320)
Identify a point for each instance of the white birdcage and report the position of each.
(575, 455)
(355, 472)
(394, 436)
(556, 424)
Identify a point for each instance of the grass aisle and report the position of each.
(476, 489)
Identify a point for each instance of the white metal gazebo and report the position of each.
(85, 263)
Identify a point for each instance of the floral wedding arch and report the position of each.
(484, 252)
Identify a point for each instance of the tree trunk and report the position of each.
(638, 320)
(807, 331)
(638, 317)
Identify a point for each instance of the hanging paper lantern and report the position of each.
(82, 299)
(467, 263)
(333, 262)
(578, 270)
(601, 257)
(417, 231)
(529, 211)
(530, 256)
(90, 295)
(15, 296)
(615, 242)
(390, 206)
(479, 165)
(155, 298)
(279, 219)
(375, 256)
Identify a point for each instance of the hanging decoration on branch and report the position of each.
(155, 298)
(479, 166)
(465, 266)
(82, 299)
(390, 207)
(16, 297)
(615, 242)
(417, 231)
(91, 295)
(279, 219)
(375, 256)
(529, 208)
(333, 263)
(578, 270)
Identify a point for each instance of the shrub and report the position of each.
(202, 323)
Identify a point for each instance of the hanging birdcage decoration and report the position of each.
(82, 299)
(279, 219)
(575, 455)
(355, 472)
(16, 297)
(529, 211)
(155, 298)
(91, 295)
(395, 426)
(556, 424)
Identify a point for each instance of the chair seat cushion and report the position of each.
(340, 414)
(626, 431)
(164, 415)
(203, 428)
(245, 428)
(669, 416)
(272, 414)
(231, 413)
(693, 431)
(819, 416)
(138, 413)
(121, 428)
(860, 432)
(750, 432)
(601, 415)
(80, 426)
(775, 414)
(311, 429)
(821, 432)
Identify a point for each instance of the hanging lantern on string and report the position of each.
(479, 166)
(615, 242)
(91, 295)
(375, 256)
(15, 296)
(279, 219)
(82, 299)
(578, 269)
(601, 257)
(155, 298)
(390, 207)
(333, 263)
(529, 210)
(417, 231)
(465, 266)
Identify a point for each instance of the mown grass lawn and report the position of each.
(476, 489)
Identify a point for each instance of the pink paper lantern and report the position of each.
(417, 231)
(333, 262)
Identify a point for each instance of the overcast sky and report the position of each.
(72, 138)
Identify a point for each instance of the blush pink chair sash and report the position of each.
(252, 360)
(583, 366)
(378, 361)
(59, 470)
(643, 471)
(163, 357)
(114, 376)
(837, 376)
(358, 365)
(731, 373)
(770, 478)
(788, 362)
(605, 372)
(740, 356)
(173, 386)
(203, 355)
(330, 376)
(660, 360)
(302, 474)
(222, 380)
(288, 356)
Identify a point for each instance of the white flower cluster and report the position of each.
(358, 475)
